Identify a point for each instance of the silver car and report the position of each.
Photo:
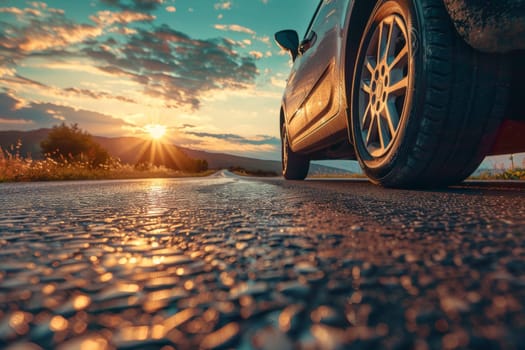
(418, 91)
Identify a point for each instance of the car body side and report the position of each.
(317, 116)
(315, 112)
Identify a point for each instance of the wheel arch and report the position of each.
(281, 118)
(355, 24)
(282, 121)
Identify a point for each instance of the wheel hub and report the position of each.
(379, 93)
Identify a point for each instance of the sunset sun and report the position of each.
(156, 131)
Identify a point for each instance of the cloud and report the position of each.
(20, 81)
(107, 18)
(40, 39)
(257, 146)
(186, 126)
(256, 54)
(265, 39)
(224, 5)
(15, 111)
(97, 94)
(168, 64)
(234, 28)
(16, 122)
(135, 5)
(20, 12)
(280, 83)
(17, 80)
(48, 31)
(41, 29)
(174, 67)
(257, 140)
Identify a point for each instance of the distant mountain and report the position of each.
(133, 150)
(225, 161)
(30, 142)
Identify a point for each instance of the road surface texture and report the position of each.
(228, 262)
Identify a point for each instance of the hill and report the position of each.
(30, 142)
(133, 150)
(225, 161)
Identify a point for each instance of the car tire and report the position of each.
(295, 166)
(425, 107)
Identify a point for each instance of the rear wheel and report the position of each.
(295, 166)
(425, 106)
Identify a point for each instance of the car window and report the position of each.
(323, 13)
(312, 21)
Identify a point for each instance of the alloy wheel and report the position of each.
(384, 84)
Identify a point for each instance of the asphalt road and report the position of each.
(229, 262)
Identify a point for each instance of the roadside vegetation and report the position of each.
(509, 174)
(256, 173)
(71, 154)
(14, 168)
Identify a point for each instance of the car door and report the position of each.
(295, 93)
(312, 84)
(321, 49)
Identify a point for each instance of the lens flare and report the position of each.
(156, 131)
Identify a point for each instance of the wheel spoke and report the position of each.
(398, 88)
(401, 57)
(370, 65)
(367, 118)
(384, 41)
(372, 131)
(383, 137)
(365, 86)
(392, 117)
(388, 44)
(380, 43)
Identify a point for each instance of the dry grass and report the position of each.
(510, 174)
(14, 168)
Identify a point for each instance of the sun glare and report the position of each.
(156, 131)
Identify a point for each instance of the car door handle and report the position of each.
(307, 43)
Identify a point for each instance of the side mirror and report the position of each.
(288, 40)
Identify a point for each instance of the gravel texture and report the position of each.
(227, 262)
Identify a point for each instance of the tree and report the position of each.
(199, 165)
(70, 143)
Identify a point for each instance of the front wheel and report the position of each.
(425, 106)
(295, 166)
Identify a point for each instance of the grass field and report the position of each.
(14, 168)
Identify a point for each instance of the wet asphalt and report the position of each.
(228, 262)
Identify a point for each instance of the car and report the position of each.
(417, 91)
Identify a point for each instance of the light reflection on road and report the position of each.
(235, 262)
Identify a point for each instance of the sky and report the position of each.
(208, 70)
